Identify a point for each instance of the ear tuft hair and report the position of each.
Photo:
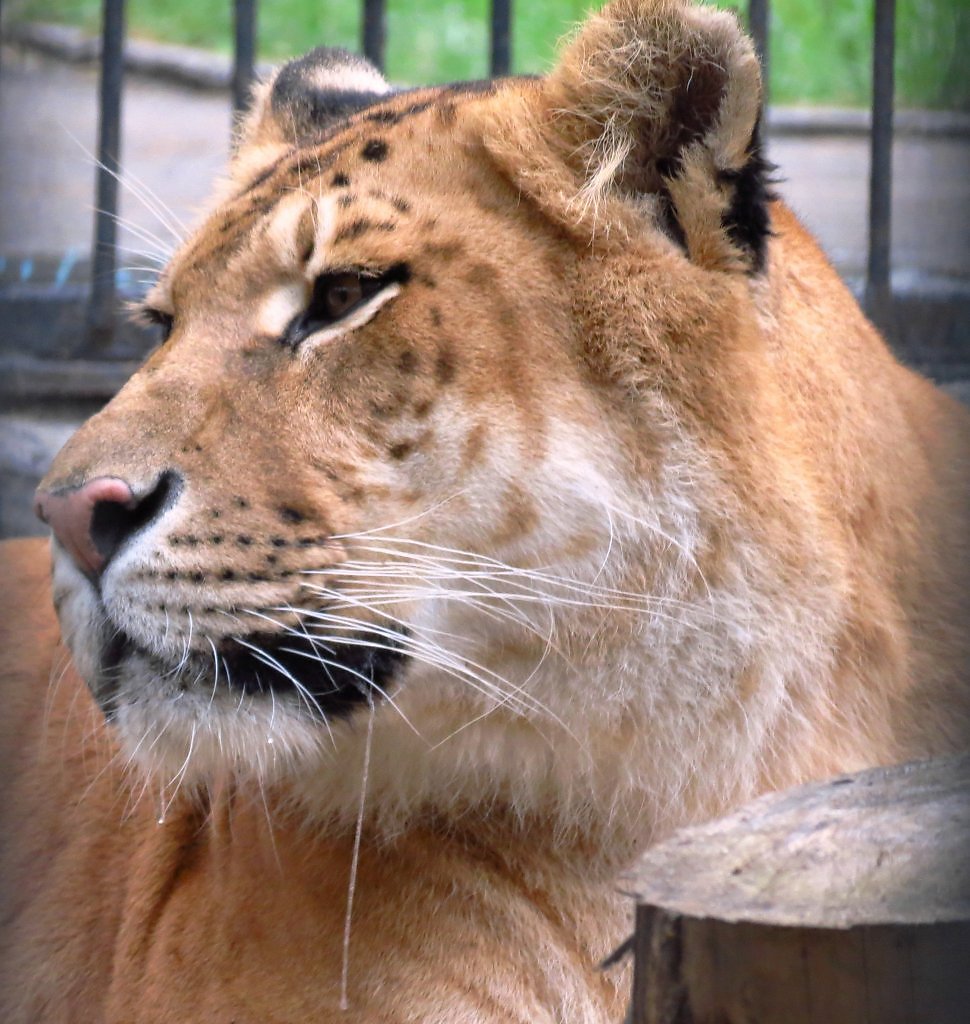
(748, 220)
(659, 101)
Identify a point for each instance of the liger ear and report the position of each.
(659, 102)
(299, 104)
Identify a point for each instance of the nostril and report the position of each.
(113, 522)
(94, 520)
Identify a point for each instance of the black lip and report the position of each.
(334, 677)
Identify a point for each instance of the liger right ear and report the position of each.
(299, 104)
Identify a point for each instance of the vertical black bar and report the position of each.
(101, 310)
(373, 32)
(500, 56)
(878, 285)
(642, 952)
(759, 21)
(244, 59)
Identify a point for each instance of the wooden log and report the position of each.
(844, 902)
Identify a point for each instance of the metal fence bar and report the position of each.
(759, 22)
(374, 31)
(244, 53)
(500, 56)
(878, 297)
(101, 308)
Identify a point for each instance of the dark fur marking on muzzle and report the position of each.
(330, 677)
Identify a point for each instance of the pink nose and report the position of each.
(71, 515)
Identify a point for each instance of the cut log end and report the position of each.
(845, 902)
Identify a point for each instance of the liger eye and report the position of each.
(165, 322)
(337, 294)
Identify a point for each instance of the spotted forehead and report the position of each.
(368, 137)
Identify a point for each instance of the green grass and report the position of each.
(820, 49)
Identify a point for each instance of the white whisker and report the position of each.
(354, 861)
(138, 189)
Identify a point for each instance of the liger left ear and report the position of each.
(658, 102)
(299, 104)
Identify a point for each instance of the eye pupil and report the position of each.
(343, 294)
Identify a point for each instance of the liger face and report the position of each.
(455, 432)
(350, 426)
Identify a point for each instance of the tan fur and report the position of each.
(671, 528)
(219, 915)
